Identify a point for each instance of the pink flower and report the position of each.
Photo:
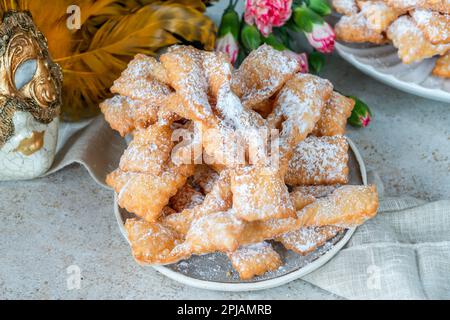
(301, 58)
(365, 120)
(322, 37)
(267, 14)
(228, 45)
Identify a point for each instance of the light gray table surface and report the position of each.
(50, 224)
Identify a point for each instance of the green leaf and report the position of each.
(316, 61)
(321, 7)
(273, 41)
(250, 37)
(230, 23)
(305, 18)
(361, 114)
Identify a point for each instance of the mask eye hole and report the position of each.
(25, 73)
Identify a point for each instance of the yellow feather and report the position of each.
(111, 34)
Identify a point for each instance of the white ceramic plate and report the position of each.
(383, 64)
(214, 271)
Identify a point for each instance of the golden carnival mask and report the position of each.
(30, 92)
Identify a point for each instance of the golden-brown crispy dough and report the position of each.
(307, 240)
(435, 5)
(345, 7)
(255, 260)
(230, 141)
(204, 178)
(334, 117)
(258, 231)
(347, 207)
(147, 194)
(214, 232)
(149, 151)
(355, 28)
(411, 42)
(259, 193)
(378, 14)
(265, 107)
(218, 200)
(319, 161)
(152, 243)
(262, 74)
(434, 25)
(297, 110)
(303, 196)
(142, 81)
(186, 198)
(301, 200)
(125, 114)
(167, 211)
(402, 4)
(186, 75)
(442, 68)
(316, 191)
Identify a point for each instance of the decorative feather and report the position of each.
(112, 33)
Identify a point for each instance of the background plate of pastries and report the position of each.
(402, 43)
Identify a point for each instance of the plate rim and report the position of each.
(391, 80)
(263, 284)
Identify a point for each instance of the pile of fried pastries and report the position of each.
(186, 204)
(419, 29)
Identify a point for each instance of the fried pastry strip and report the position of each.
(297, 110)
(255, 260)
(307, 240)
(347, 207)
(345, 7)
(259, 193)
(301, 200)
(147, 194)
(232, 141)
(411, 42)
(186, 198)
(262, 74)
(305, 195)
(218, 200)
(378, 14)
(152, 243)
(214, 232)
(186, 75)
(205, 178)
(125, 114)
(442, 68)
(355, 28)
(149, 150)
(435, 26)
(333, 120)
(319, 161)
(316, 191)
(434, 5)
(142, 81)
(258, 231)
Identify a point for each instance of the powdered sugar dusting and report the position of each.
(319, 161)
(346, 7)
(434, 25)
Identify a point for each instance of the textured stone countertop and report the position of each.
(50, 224)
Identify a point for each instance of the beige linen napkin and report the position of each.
(91, 143)
(403, 253)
